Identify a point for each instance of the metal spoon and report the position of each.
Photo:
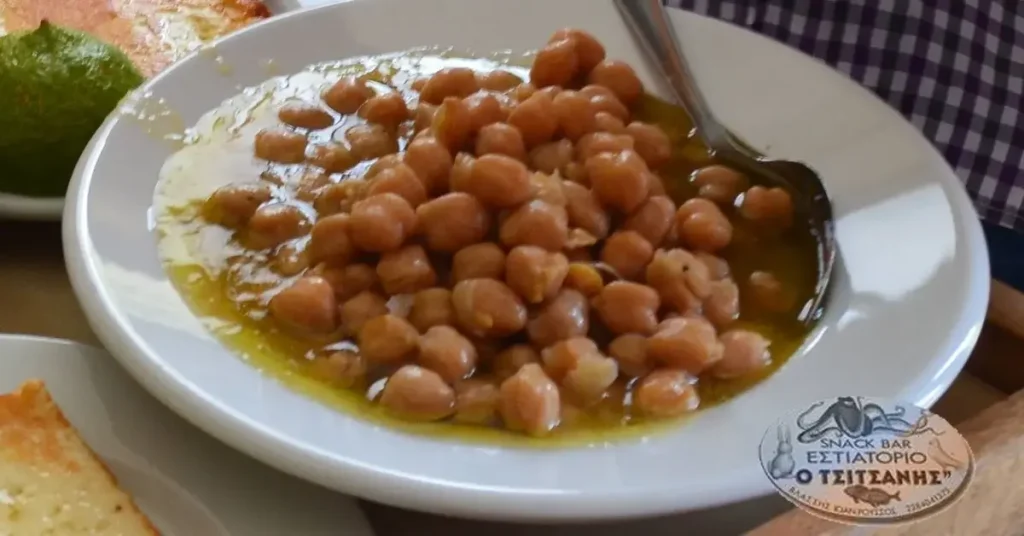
(649, 22)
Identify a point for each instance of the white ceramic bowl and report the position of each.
(910, 292)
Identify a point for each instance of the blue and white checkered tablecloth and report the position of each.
(953, 68)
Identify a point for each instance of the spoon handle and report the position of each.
(649, 22)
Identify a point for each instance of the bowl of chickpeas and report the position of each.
(495, 273)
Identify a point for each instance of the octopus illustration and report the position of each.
(850, 417)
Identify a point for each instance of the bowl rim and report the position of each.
(401, 489)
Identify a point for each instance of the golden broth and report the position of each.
(229, 286)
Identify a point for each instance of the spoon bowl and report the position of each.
(651, 28)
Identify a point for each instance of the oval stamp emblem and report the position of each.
(860, 460)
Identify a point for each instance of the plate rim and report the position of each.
(94, 357)
(373, 482)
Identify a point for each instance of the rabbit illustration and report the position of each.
(782, 465)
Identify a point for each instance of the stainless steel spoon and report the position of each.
(649, 22)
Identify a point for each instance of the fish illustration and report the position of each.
(874, 496)
(943, 458)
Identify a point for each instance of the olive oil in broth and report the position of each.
(229, 286)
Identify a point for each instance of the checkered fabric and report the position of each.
(953, 68)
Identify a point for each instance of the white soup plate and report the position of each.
(187, 483)
(910, 288)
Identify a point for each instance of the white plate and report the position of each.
(910, 294)
(186, 482)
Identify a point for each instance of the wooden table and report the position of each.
(36, 299)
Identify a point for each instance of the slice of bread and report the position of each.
(51, 483)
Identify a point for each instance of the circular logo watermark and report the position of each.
(859, 460)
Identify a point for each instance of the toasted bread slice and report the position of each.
(50, 481)
(154, 33)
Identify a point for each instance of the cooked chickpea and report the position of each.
(423, 116)
(510, 360)
(618, 77)
(388, 339)
(500, 138)
(418, 394)
(718, 268)
(768, 293)
(280, 145)
(567, 315)
(448, 353)
(522, 92)
(584, 209)
(607, 122)
(484, 109)
(591, 377)
(332, 157)
(536, 223)
(380, 164)
(718, 183)
(589, 51)
(459, 82)
(722, 307)
(551, 157)
(290, 259)
(768, 205)
(488, 308)
(431, 162)
(432, 307)
(500, 180)
(652, 144)
(743, 352)
(628, 252)
(582, 276)
(231, 206)
(652, 219)
(574, 113)
(340, 369)
(485, 260)
(557, 64)
(547, 188)
(627, 307)
(688, 343)
(610, 105)
(370, 141)
(534, 273)
(462, 172)
(387, 110)
(666, 393)
(630, 350)
(453, 221)
(329, 239)
(349, 280)
(406, 270)
(400, 180)
(347, 95)
(307, 306)
(497, 80)
(453, 124)
(381, 222)
(702, 225)
(309, 183)
(576, 172)
(535, 119)
(359, 309)
(476, 402)
(530, 402)
(275, 223)
(564, 355)
(305, 115)
(602, 142)
(619, 180)
(680, 278)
